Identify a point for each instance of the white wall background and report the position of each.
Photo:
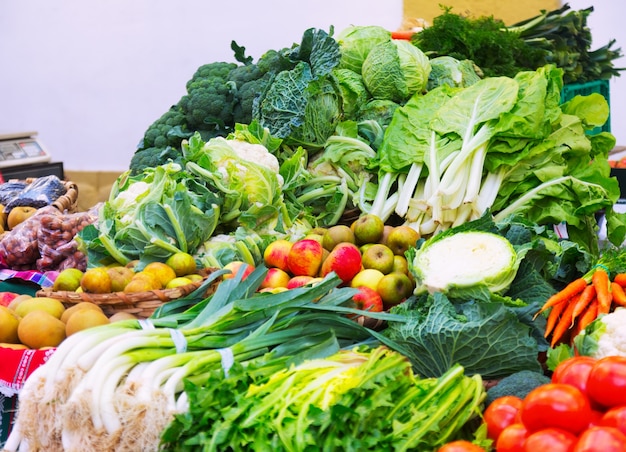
(91, 76)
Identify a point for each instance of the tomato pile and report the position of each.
(583, 408)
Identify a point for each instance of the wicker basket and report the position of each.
(140, 304)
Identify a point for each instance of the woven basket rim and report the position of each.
(124, 298)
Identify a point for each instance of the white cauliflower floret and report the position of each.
(256, 153)
(613, 340)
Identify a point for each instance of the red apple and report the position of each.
(368, 299)
(344, 260)
(305, 257)
(299, 281)
(274, 278)
(7, 297)
(234, 267)
(275, 254)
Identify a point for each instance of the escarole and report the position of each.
(454, 263)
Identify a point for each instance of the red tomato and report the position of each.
(556, 405)
(615, 417)
(460, 446)
(574, 371)
(500, 414)
(512, 438)
(596, 417)
(550, 439)
(601, 439)
(564, 365)
(607, 381)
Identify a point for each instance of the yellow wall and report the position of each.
(508, 11)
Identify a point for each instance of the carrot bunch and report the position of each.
(581, 301)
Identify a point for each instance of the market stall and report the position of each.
(361, 241)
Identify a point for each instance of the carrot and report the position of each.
(600, 281)
(589, 315)
(619, 295)
(620, 279)
(586, 297)
(402, 34)
(573, 288)
(564, 323)
(555, 313)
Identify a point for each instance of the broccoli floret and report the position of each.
(517, 384)
(152, 157)
(169, 130)
(208, 104)
(250, 82)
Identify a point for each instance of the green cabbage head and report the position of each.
(355, 43)
(395, 70)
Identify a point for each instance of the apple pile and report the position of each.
(367, 255)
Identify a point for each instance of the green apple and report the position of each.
(368, 277)
(394, 288)
(401, 238)
(400, 264)
(338, 233)
(368, 228)
(120, 276)
(379, 257)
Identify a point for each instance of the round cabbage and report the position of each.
(395, 70)
(355, 43)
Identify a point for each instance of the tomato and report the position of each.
(607, 381)
(556, 405)
(512, 438)
(565, 365)
(500, 414)
(574, 371)
(615, 417)
(460, 446)
(550, 439)
(596, 417)
(601, 439)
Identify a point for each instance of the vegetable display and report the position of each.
(477, 325)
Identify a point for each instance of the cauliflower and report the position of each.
(256, 153)
(605, 336)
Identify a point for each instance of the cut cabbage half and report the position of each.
(463, 260)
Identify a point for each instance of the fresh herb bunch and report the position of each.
(484, 40)
(561, 37)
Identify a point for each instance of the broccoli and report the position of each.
(152, 157)
(208, 104)
(169, 130)
(517, 384)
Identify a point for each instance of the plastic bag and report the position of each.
(10, 190)
(57, 243)
(42, 192)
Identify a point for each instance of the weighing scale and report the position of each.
(22, 155)
(21, 148)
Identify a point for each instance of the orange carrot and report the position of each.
(620, 279)
(589, 315)
(564, 323)
(619, 295)
(402, 34)
(573, 288)
(586, 297)
(600, 280)
(555, 314)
